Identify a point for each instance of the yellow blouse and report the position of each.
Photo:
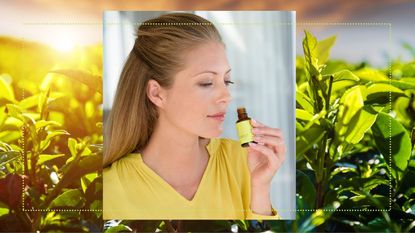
(132, 190)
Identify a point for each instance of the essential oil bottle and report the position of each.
(244, 127)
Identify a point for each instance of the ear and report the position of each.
(155, 93)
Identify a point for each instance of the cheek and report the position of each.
(189, 105)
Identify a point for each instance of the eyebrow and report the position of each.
(210, 71)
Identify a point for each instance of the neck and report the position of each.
(175, 155)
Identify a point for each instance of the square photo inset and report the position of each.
(199, 115)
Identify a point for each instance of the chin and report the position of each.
(215, 134)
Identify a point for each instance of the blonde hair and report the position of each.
(158, 55)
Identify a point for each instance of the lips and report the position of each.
(220, 116)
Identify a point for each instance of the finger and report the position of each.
(256, 123)
(265, 151)
(267, 131)
(277, 144)
(269, 140)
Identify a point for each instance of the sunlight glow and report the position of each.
(63, 43)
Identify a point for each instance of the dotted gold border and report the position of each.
(351, 24)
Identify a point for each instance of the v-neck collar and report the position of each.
(211, 147)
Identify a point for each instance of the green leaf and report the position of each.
(393, 141)
(42, 123)
(72, 146)
(351, 104)
(87, 164)
(29, 102)
(303, 115)
(337, 87)
(304, 101)
(51, 134)
(345, 75)
(381, 93)
(310, 54)
(400, 107)
(307, 139)
(87, 179)
(45, 157)
(8, 156)
(14, 111)
(42, 105)
(4, 211)
(360, 124)
(9, 135)
(316, 219)
(323, 49)
(305, 188)
(369, 74)
(70, 198)
(403, 84)
(118, 228)
(6, 90)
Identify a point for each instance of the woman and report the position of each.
(162, 157)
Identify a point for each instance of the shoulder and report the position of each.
(230, 146)
(120, 168)
(232, 151)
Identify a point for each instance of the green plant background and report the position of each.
(355, 139)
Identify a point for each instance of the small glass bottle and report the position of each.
(244, 127)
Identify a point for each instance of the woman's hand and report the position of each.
(264, 160)
(266, 157)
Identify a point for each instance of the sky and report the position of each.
(62, 24)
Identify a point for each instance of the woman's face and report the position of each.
(199, 96)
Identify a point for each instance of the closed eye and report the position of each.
(228, 83)
(205, 84)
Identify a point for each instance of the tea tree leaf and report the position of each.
(6, 90)
(350, 105)
(304, 101)
(45, 157)
(310, 54)
(305, 188)
(51, 134)
(323, 49)
(29, 102)
(403, 84)
(380, 93)
(70, 198)
(8, 156)
(303, 115)
(360, 124)
(345, 75)
(307, 139)
(369, 74)
(42, 123)
(393, 141)
(72, 146)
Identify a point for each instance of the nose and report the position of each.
(224, 96)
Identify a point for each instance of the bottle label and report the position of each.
(245, 131)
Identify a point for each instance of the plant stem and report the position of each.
(321, 179)
(26, 167)
(169, 226)
(329, 94)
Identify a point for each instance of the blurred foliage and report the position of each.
(50, 138)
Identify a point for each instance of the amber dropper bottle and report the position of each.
(244, 127)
